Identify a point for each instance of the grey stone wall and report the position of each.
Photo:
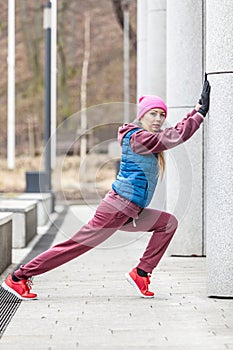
(219, 151)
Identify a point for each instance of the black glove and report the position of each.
(205, 99)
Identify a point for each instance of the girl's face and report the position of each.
(153, 119)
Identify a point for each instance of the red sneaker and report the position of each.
(139, 283)
(20, 289)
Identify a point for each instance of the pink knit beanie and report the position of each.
(149, 102)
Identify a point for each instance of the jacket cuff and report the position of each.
(193, 112)
(199, 117)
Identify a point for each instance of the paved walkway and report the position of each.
(87, 304)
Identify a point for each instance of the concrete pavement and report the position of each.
(88, 304)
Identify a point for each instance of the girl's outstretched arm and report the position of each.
(145, 142)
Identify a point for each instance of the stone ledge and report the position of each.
(44, 205)
(5, 240)
(24, 223)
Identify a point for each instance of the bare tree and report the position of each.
(65, 111)
(74, 31)
(32, 37)
(32, 40)
(83, 148)
(119, 13)
(83, 93)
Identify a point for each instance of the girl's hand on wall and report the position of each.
(205, 99)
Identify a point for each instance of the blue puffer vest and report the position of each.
(138, 175)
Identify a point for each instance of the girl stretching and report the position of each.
(125, 206)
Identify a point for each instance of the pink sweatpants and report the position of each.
(105, 222)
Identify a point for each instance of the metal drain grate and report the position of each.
(9, 304)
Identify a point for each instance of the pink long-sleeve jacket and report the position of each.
(145, 142)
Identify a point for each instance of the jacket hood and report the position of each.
(125, 128)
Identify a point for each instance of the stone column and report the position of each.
(156, 48)
(185, 162)
(141, 47)
(151, 60)
(219, 153)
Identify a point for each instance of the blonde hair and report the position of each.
(161, 161)
(161, 158)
